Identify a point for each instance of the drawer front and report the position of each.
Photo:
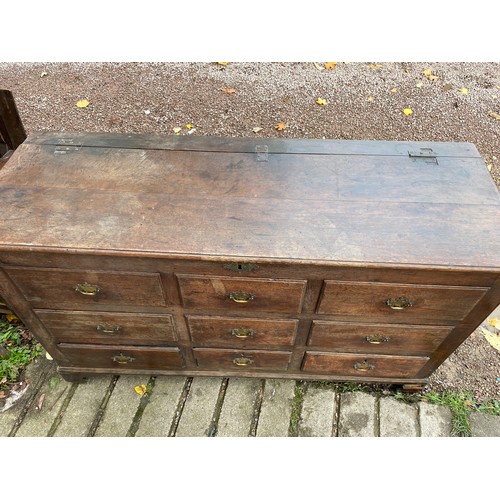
(377, 339)
(229, 359)
(363, 365)
(108, 328)
(111, 356)
(61, 289)
(235, 294)
(241, 332)
(398, 303)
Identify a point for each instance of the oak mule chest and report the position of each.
(310, 259)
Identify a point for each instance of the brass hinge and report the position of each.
(262, 150)
(427, 154)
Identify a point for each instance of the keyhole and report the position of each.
(240, 267)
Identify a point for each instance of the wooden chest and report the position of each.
(308, 259)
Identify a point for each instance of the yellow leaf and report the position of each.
(256, 130)
(177, 130)
(494, 322)
(489, 166)
(43, 73)
(420, 84)
(10, 317)
(464, 90)
(394, 90)
(370, 98)
(319, 67)
(83, 103)
(48, 356)
(330, 65)
(495, 115)
(375, 66)
(141, 389)
(223, 63)
(407, 111)
(189, 126)
(280, 126)
(427, 72)
(228, 91)
(320, 101)
(432, 78)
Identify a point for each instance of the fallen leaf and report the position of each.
(494, 97)
(48, 356)
(495, 115)
(2, 395)
(331, 65)
(141, 389)
(447, 86)
(320, 101)
(370, 98)
(191, 131)
(427, 72)
(39, 402)
(407, 111)
(464, 90)
(420, 84)
(432, 78)
(256, 129)
(147, 112)
(319, 67)
(82, 104)
(375, 66)
(489, 166)
(177, 130)
(53, 382)
(394, 90)
(43, 73)
(10, 317)
(280, 126)
(228, 91)
(3, 380)
(223, 63)
(189, 126)
(494, 322)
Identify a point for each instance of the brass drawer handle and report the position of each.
(398, 303)
(363, 367)
(242, 361)
(87, 289)
(242, 333)
(241, 297)
(108, 328)
(122, 359)
(377, 339)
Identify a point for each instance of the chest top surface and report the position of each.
(429, 204)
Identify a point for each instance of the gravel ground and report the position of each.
(363, 101)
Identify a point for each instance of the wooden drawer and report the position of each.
(421, 303)
(108, 328)
(377, 338)
(363, 365)
(121, 356)
(242, 294)
(229, 359)
(241, 332)
(56, 288)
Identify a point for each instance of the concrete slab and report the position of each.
(237, 411)
(397, 419)
(357, 415)
(484, 425)
(121, 407)
(274, 419)
(199, 407)
(160, 411)
(82, 408)
(318, 410)
(435, 420)
(38, 422)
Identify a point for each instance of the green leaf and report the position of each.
(53, 382)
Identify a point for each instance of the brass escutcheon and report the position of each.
(377, 339)
(87, 289)
(122, 359)
(108, 328)
(242, 333)
(398, 303)
(363, 367)
(241, 297)
(242, 361)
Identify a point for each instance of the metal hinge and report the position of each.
(426, 154)
(262, 150)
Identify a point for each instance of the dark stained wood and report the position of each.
(382, 366)
(108, 328)
(360, 337)
(219, 331)
(55, 288)
(202, 292)
(224, 359)
(107, 356)
(430, 303)
(11, 127)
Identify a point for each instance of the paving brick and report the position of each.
(82, 408)
(160, 411)
(317, 414)
(484, 425)
(199, 408)
(121, 407)
(435, 421)
(357, 415)
(237, 411)
(397, 419)
(274, 419)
